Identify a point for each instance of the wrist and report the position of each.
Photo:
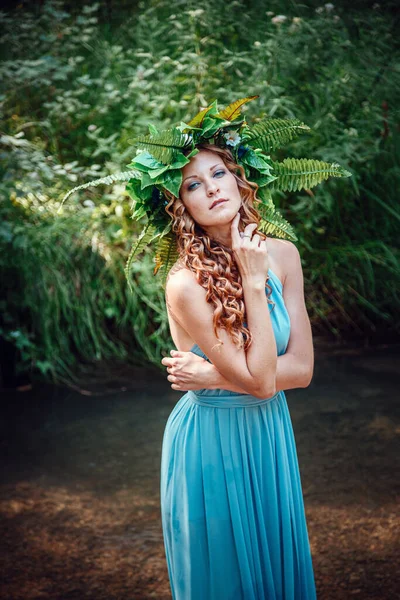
(213, 377)
(254, 283)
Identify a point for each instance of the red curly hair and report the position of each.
(214, 263)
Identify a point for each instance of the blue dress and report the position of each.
(231, 499)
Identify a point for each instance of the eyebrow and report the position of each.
(211, 168)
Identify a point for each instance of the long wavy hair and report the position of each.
(214, 263)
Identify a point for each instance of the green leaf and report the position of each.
(155, 173)
(231, 112)
(211, 126)
(146, 162)
(262, 180)
(296, 174)
(152, 129)
(197, 121)
(135, 191)
(181, 160)
(264, 194)
(166, 256)
(269, 133)
(172, 181)
(165, 145)
(139, 212)
(143, 240)
(272, 223)
(193, 153)
(253, 159)
(108, 180)
(146, 180)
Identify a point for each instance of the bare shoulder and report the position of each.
(282, 249)
(181, 284)
(284, 256)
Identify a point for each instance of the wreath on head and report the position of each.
(161, 155)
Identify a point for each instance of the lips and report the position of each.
(219, 201)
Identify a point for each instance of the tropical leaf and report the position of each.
(108, 180)
(272, 223)
(145, 237)
(264, 194)
(257, 161)
(153, 129)
(171, 181)
(198, 119)
(232, 111)
(296, 174)
(164, 145)
(269, 133)
(166, 255)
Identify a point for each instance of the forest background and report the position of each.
(79, 80)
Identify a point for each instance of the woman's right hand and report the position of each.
(250, 253)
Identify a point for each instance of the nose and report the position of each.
(212, 187)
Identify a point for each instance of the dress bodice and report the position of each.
(280, 323)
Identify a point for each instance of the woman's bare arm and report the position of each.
(295, 367)
(254, 370)
(230, 362)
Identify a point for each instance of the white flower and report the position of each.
(269, 13)
(92, 127)
(119, 210)
(296, 20)
(257, 44)
(319, 10)
(278, 19)
(329, 7)
(88, 203)
(232, 138)
(352, 132)
(196, 13)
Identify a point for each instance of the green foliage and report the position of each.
(163, 146)
(74, 91)
(160, 162)
(270, 134)
(143, 240)
(274, 225)
(299, 174)
(166, 256)
(108, 180)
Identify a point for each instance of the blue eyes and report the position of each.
(217, 173)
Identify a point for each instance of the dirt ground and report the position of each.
(79, 488)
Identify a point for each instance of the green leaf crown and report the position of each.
(161, 155)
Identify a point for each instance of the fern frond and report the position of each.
(108, 180)
(295, 174)
(166, 255)
(164, 145)
(269, 133)
(264, 194)
(143, 240)
(272, 223)
(231, 112)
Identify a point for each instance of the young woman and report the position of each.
(232, 508)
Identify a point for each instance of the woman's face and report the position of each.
(206, 180)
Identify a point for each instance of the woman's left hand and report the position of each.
(187, 371)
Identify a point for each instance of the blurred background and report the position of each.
(79, 80)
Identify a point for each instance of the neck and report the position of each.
(220, 234)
